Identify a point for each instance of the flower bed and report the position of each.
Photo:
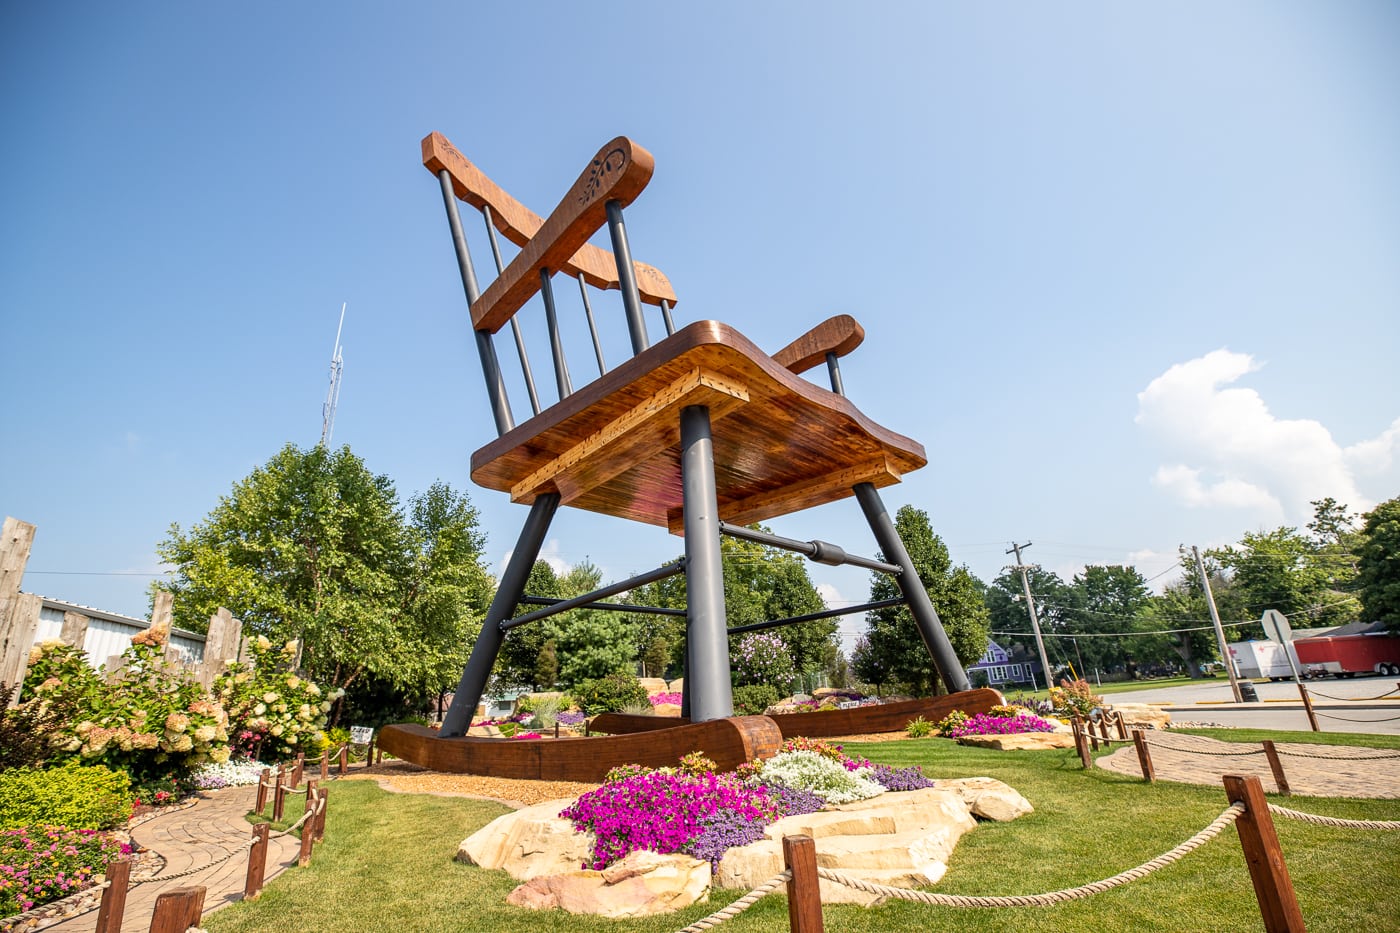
(986, 724)
(229, 774)
(42, 865)
(665, 699)
(695, 811)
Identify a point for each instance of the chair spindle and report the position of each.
(592, 325)
(556, 344)
(486, 349)
(666, 316)
(514, 321)
(627, 279)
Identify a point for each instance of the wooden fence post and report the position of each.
(279, 794)
(1276, 766)
(369, 753)
(325, 764)
(261, 801)
(16, 541)
(308, 829)
(804, 890)
(74, 631)
(1307, 705)
(1278, 903)
(178, 909)
(297, 769)
(1081, 744)
(1144, 756)
(344, 758)
(109, 916)
(1122, 726)
(220, 645)
(320, 818)
(257, 863)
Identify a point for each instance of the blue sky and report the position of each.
(1127, 270)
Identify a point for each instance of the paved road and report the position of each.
(1359, 704)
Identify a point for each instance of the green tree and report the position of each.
(1378, 564)
(314, 546)
(1305, 578)
(517, 663)
(1006, 604)
(1106, 603)
(894, 648)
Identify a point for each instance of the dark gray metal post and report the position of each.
(490, 366)
(707, 640)
(592, 324)
(833, 369)
(488, 644)
(556, 342)
(666, 316)
(627, 279)
(514, 319)
(925, 617)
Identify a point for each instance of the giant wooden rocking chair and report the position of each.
(701, 433)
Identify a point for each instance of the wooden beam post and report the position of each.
(257, 863)
(344, 758)
(1144, 756)
(118, 878)
(308, 829)
(1081, 743)
(804, 890)
(16, 541)
(19, 639)
(279, 795)
(320, 819)
(1276, 766)
(178, 909)
(1278, 903)
(163, 613)
(1122, 726)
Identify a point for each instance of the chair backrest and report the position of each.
(550, 247)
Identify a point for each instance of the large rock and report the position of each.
(653, 685)
(676, 686)
(989, 798)
(529, 842)
(1143, 716)
(1020, 740)
(901, 839)
(642, 884)
(666, 709)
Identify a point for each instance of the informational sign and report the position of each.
(360, 735)
(848, 704)
(1276, 627)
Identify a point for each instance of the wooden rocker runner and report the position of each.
(701, 433)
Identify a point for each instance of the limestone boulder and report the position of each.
(640, 885)
(676, 686)
(988, 798)
(667, 709)
(903, 839)
(1020, 740)
(653, 685)
(1142, 716)
(528, 842)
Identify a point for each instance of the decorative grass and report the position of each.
(387, 862)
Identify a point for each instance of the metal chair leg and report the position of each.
(488, 644)
(707, 639)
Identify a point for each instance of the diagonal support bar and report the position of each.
(488, 644)
(612, 589)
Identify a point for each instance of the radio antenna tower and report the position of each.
(333, 394)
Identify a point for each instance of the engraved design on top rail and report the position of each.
(613, 162)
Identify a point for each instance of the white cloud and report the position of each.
(830, 595)
(1226, 450)
(549, 553)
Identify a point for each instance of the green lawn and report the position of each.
(387, 862)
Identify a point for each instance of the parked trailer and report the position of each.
(1349, 655)
(1263, 658)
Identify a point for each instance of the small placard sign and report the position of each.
(360, 735)
(848, 704)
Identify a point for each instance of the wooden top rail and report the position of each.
(619, 171)
(839, 335)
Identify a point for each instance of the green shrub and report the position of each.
(753, 699)
(26, 730)
(948, 723)
(609, 694)
(1004, 712)
(919, 728)
(76, 796)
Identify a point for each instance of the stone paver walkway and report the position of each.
(199, 838)
(1312, 770)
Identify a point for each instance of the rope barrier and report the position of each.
(1334, 821)
(1338, 757)
(1201, 751)
(739, 906)
(1352, 699)
(1349, 719)
(1228, 816)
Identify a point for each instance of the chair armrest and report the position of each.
(519, 224)
(839, 335)
(619, 172)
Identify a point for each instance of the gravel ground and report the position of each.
(404, 778)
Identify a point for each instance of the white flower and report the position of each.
(269, 698)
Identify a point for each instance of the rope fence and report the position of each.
(741, 905)
(1354, 699)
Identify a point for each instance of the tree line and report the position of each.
(388, 596)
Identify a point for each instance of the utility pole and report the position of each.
(1025, 570)
(333, 395)
(1219, 629)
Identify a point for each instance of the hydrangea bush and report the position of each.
(152, 720)
(275, 712)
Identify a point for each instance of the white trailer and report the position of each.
(1255, 659)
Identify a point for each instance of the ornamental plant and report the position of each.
(275, 712)
(1074, 698)
(152, 720)
(807, 770)
(763, 658)
(40, 865)
(984, 724)
(951, 722)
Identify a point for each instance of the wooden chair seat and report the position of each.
(781, 443)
